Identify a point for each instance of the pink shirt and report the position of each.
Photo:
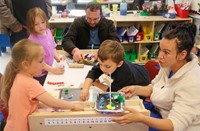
(48, 44)
(22, 102)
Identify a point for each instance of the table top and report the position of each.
(72, 78)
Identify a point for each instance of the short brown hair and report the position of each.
(94, 6)
(30, 18)
(111, 49)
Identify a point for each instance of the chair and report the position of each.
(153, 68)
(4, 42)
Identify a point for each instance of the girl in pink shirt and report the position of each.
(20, 92)
(37, 25)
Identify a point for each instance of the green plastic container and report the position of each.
(130, 55)
(59, 36)
(144, 13)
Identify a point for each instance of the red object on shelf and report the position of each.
(181, 13)
(139, 36)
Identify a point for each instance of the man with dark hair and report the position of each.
(88, 31)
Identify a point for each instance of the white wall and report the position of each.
(194, 4)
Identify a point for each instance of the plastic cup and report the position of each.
(115, 8)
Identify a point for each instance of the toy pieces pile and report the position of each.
(103, 102)
(88, 59)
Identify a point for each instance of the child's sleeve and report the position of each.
(35, 89)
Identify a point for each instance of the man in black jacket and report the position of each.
(87, 32)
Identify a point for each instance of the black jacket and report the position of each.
(78, 34)
(21, 7)
(126, 75)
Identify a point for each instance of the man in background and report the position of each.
(87, 32)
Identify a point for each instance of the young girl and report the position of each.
(20, 92)
(37, 25)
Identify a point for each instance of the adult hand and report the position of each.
(18, 29)
(84, 95)
(95, 55)
(77, 55)
(132, 116)
(129, 91)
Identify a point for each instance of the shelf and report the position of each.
(126, 42)
(150, 25)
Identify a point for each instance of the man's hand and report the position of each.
(18, 29)
(95, 55)
(77, 54)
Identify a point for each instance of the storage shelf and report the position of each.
(148, 24)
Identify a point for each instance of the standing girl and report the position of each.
(37, 25)
(20, 92)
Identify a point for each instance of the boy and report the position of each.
(111, 62)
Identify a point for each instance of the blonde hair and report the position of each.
(24, 50)
(111, 49)
(30, 18)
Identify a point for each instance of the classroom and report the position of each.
(98, 65)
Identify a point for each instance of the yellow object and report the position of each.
(115, 8)
(109, 107)
(143, 58)
(147, 37)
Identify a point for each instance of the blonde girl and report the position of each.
(20, 92)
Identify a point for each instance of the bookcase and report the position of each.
(145, 46)
(152, 27)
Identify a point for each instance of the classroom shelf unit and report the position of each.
(152, 28)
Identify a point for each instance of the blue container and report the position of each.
(123, 8)
(1, 117)
(169, 15)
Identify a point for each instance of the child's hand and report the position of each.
(77, 107)
(84, 95)
(58, 70)
(57, 60)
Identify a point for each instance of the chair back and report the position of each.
(153, 68)
(4, 42)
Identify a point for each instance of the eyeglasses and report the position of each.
(94, 20)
